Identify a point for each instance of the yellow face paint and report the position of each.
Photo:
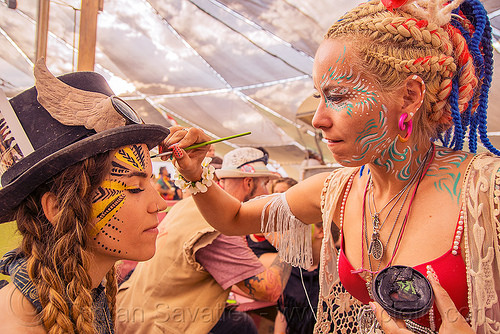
(106, 203)
(129, 158)
(110, 196)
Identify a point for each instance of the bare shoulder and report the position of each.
(17, 315)
(448, 170)
(448, 158)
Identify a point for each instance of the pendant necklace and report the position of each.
(390, 234)
(366, 319)
(371, 271)
(376, 248)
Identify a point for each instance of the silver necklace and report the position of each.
(376, 248)
(367, 322)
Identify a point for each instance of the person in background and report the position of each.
(283, 184)
(312, 159)
(401, 85)
(186, 291)
(297, 304)
(166, 187)
(81, 195)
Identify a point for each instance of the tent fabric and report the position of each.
(223, 65)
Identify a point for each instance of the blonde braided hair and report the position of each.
(57, 255)
(394, 45)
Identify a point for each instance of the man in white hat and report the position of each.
(184, 287)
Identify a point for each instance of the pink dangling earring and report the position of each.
(402, 127)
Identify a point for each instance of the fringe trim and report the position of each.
(290, 236)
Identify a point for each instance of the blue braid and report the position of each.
(445, 140)
(448, 137)
(473, 133)
(484, 39)
(483, 97)
(458, 136)
(481, 50)
(465, 117)
(470, 121)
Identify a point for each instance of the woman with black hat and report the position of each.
(76, 176)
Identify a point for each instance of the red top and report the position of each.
(449, 267)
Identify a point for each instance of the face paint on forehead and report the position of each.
(359, 92)
(128, 159)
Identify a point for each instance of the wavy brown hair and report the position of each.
(58, 253)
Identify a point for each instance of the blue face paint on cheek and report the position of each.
(373, 137)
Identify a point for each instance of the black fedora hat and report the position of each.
(57, 123)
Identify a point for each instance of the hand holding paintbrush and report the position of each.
(189, 147)
(169, 153)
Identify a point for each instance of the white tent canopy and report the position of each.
(223, 65)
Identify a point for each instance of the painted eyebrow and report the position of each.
(139, 174)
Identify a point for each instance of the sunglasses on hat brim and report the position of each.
(264, 159)
(127, 112)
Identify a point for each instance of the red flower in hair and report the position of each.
(393, 4)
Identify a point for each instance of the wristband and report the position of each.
(194, 187)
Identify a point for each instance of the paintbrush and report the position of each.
(202, 144)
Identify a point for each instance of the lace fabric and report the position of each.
(334, 301)
(481, 198)
(338, 310)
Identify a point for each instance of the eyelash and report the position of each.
(135, 190)
(333, 98)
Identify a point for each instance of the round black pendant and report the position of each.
(403, 292)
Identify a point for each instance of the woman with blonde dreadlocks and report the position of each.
(76, 176)
(399, 88)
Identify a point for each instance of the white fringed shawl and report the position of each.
(293, 237)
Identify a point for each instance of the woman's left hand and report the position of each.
(452, 321)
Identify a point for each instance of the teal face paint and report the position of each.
(349, 93)
(447, 177)
(356, 118)
(373, 135)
